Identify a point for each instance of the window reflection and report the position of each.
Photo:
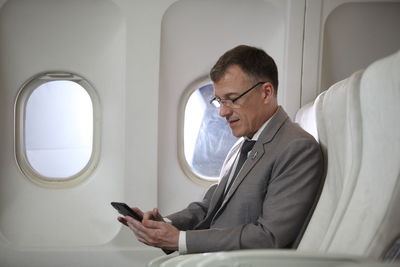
(207, 136)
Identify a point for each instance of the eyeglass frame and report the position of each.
(230, 102)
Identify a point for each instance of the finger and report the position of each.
(156, 214)
(140, 236)
(138, 211)
(122, 220)
(148, 215)
(142, 233)
(132, 222)
(137, 228)
(160, 234)
(151, 224)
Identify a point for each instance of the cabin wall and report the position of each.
(141, 58)
(341, 37)
(37, 37)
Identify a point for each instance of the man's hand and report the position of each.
(153, 230)
(155, 233)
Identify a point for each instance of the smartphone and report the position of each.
(126, 210)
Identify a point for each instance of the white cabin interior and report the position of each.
(141, 60)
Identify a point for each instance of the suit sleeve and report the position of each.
(293, 185)
(187, 218)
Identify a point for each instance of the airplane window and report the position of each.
(207, 136)
(55, 128)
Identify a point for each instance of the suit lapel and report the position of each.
(255, 155)
(252, 159)
(215, 203)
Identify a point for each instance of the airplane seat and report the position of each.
(358, 211)
(337, 119)
(357, 215)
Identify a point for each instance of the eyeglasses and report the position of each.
(217, 102)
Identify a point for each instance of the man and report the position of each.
(263, 203)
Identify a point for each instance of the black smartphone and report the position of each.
(126, 210)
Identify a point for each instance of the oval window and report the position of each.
(55, 127)
(207, 136)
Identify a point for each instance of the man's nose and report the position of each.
(224, 110)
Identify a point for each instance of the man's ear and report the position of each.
(268, 91)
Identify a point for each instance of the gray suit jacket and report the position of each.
(269, 200)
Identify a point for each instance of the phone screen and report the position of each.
(125, 210)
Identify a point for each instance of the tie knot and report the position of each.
(247, 146)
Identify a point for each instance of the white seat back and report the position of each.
(338, 118)
(359, 131)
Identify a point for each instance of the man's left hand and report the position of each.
(154, 233)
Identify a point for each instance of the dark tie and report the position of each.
(246, 148)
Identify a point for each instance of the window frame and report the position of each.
(19, 138)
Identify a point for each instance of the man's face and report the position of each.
(248, 113)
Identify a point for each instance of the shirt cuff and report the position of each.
(182, 239)
(182, 243)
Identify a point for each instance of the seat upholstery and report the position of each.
(337, 116)
(268, 258)
(371, 220)
(359, 131)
